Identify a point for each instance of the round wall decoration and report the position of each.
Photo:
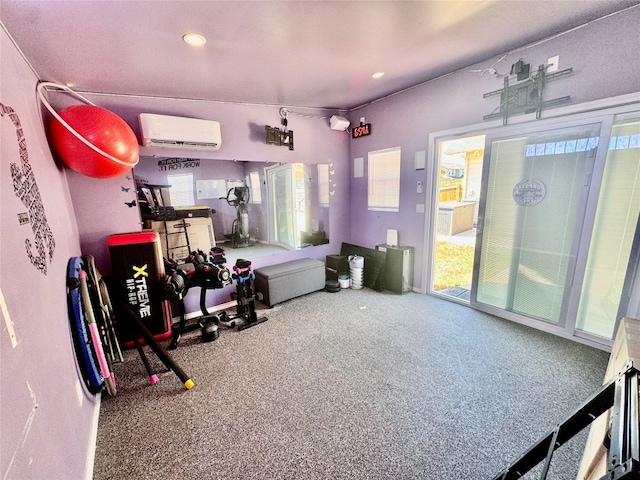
(528, 193)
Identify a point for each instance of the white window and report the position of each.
(181, 191)
(254, 183)
(323, 184)
(384, 180)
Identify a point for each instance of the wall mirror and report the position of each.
(259, 208)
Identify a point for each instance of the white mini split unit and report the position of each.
(179, 132)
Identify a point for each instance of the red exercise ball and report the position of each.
(103, 129)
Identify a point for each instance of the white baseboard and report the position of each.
(93, 439)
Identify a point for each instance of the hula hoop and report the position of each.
(42, 85)
(103, 310)
(84, 353)
(105, 368)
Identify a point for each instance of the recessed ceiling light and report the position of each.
(377, 75)
(194, 39)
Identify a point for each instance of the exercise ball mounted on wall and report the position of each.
(89, 139)
(104, 130)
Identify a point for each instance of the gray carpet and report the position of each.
(351, 385)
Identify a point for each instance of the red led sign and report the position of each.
(361, 131)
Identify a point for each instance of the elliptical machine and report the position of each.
(238, 197)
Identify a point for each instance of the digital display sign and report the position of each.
(361, 131)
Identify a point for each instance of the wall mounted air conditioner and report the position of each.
(179, 132)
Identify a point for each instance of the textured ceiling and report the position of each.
(294, 53)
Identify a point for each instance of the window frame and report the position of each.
(383, 184)
(181, 195)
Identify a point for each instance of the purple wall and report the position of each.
(604, 57)
(45, 413)
(103, 207)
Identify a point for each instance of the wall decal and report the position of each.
(26, 188)
(529, 192)
(177, 163)
(130, 204)
(332, 171)
(23, 218)
(125, 189)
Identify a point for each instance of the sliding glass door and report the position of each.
(535, 199)
(458, 189)
(288, 199)
(558, 226)
(613, 252)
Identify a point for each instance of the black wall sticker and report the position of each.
(26, 189)
(177, 163)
